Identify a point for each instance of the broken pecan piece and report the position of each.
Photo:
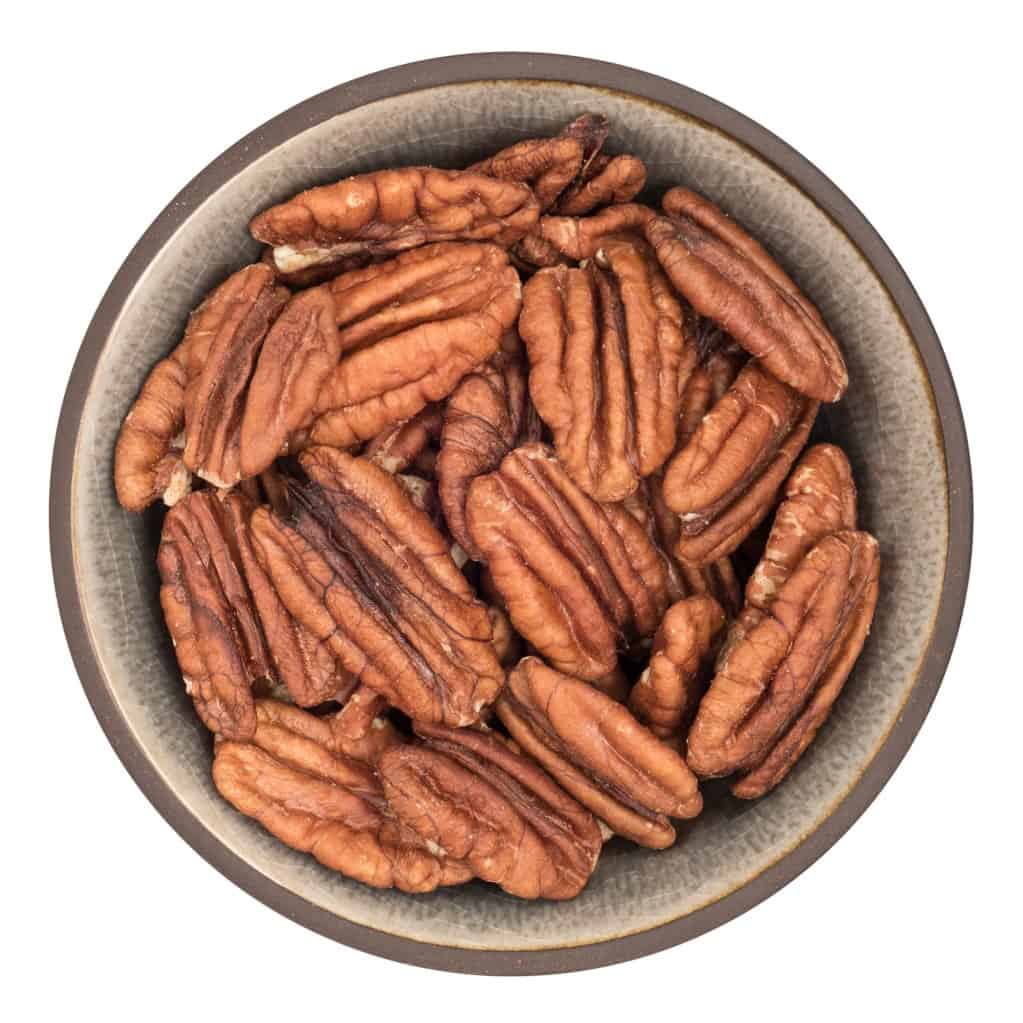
(293, 780)
(605, 344)
(388, 211)
(580, 237)
(577, 577)
(397, 447)
(667, 693)
(607, 180)
(410, 329)
(487, 415)
(729, 278)
(817, 620)
(361, 729)
(596, 750)
(724, 480)
(369, 574)
(470, 794)
(210, 614)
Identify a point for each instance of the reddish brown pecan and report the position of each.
(388, 211)
(667, 693)
(398, 447)
(299, 354)
(149, 461)
(369, 574)
(578, 578)
(468, 793)
(580, 237)
(605, 346)
(410, 329)
(729, 278)
(607, 180)
(293, 780)
(817, 622)
(724, 480)
(487, 415)
(507, 642)
(361, 729)
(597, 751)
(210, 614)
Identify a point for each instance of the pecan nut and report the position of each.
(410, 329)
(605, 345)
(597, 751)
(487, 415)
(210, 615)
(724, 480)
(468, 793)
(666, 695)
(388, 211)
(580, 237)
(578, 578)
(361, 729)
(368, 573)
(293, 780)
(607, 180)
(729, 278)
(817, 621)
(399, 446)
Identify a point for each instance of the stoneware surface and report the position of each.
(900, 424)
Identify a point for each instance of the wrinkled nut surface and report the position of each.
(368, 573)
(361, 729)
(388, 211)
(608, 180)
(818, 618)
(220, 366)
(210, 614)
(729, 278)
(580, 237)
(398, 447)
(299, 354)
(410, 329)
(468, 793)
(725, 479)
(605, 345)
(577, 578)
(667, 693)
(596, 750)
(292, 779)
(487, 415)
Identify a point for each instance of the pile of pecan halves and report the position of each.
(492, 525)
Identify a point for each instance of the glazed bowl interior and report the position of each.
(887, 424)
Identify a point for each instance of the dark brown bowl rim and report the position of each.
(542, 67)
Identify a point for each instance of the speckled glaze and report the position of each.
(899, 424)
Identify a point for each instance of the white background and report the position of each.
(109, 111)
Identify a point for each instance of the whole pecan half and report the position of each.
(468, 793)
(210, 614)
(605, 344)
(410, 329)
(388, 211)
(816, 621)
(597, 751)
(369, 574)
(667, 693)
(729, 278)
(150, 457)
(578, 578)
(292, 779)
(724, 480)
(487, 415)
(299, 354)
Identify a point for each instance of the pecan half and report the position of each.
(293, 780)
(605, 345)
(149, 461)
(607, 180)
(577, 578)
(487, 415)
(299, 354)
(818, 618)
(388, 211)
(667, 693)
(410, 329)
(729, 278)
(210, 614)
(469, 793)
(724, 480)
(597, 751)
(369, 574)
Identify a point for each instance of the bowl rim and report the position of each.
(515, 66)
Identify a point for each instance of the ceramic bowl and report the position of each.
(900, 424)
